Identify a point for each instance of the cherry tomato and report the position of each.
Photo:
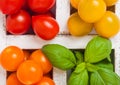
(91, 10)
(42, 60)
(46, 81)
(29, 72)
(13, 80)
(45, 26)
(110, 2)
(41, 5)
(11, 58)
(11, 6)
(78, 27)
(18, 23)
(74, 3)
(108, 26)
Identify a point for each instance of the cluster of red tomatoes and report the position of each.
(26, 67)
(24, 14)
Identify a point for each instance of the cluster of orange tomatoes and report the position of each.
(93, 14)
(25, 67)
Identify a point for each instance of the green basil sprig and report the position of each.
(93, 67)
(60, 56)
(79, 76)
(97, 49)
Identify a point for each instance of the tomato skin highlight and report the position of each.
(18, 23)
(41, 6)
(45, 26)
(11, 6)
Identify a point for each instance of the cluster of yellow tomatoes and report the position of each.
(25, 67)
(93, 14)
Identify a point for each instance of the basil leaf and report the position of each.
(104, 77)
(95, 79)
(59, 56)
(79, 57)
(108, 58)
(80, 67)
(79, 78)
(109, 77)
(97, 49)
(91, 67)
(105, 64)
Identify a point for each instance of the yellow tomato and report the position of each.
(110, 2)
(77, 27)
(108, 25)
(91, 10)
(74, 3)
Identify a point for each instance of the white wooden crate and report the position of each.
(34, 42)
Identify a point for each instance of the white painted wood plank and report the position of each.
(2, 46)
(34, 42)
(59, 76)
(116, 42)
(62, 14)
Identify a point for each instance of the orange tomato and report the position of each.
(91, 10)
(11, 58)
(29, 72)
(26, 54)
(42, 60)
(46, 81)
(13, 80)
(108, 26)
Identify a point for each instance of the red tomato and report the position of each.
(41, 5)
(10, 6)
(45, 26)
(18, 23)
(46, 81)
(41, 60)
